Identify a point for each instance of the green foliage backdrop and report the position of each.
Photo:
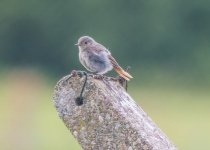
(171, 35)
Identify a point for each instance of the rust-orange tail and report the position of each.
(118, 69)
(122, 73)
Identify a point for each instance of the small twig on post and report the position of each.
(108, 117)
(122, 81)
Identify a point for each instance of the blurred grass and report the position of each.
(29, 119)
(183, 114)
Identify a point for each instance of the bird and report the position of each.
(98, 59)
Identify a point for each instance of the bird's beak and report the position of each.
(77, 44)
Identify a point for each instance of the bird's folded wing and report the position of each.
(95, 58)
(113, 61)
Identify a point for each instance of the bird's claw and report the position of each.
(81, 73)
(99, 76)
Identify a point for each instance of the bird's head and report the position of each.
(85, 41)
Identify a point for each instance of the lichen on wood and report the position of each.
(108, 118)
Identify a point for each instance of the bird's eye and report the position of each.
(85, 42)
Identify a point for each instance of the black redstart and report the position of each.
(97, 59)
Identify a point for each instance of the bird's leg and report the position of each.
(79, 100)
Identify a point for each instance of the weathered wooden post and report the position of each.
(108, 117)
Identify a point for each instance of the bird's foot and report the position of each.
(81, 73)
(75, 73)
(98, 76)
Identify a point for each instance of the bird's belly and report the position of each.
(84, 61)
(101, 69)
(105, 69)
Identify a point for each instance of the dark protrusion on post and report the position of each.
(122, 81)
(79, 100)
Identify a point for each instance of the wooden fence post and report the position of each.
(108, 118)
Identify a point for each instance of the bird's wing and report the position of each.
(97, 58)
(98, 48)
(113, 61)
(99, 54)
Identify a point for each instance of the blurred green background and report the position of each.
(166, 43)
